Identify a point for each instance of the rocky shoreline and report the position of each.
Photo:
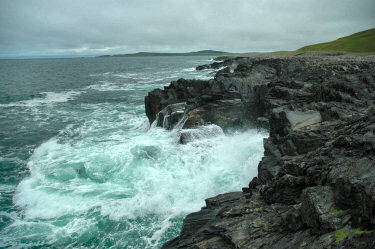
(316, 182)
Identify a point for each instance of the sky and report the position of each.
(97, 27)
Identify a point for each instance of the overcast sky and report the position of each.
(94, 27)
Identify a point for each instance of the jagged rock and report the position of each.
(207, 131)
(318, 210)
(178, 91)
(293, 218)
(215, 65)
(317, 175)
(362, 241)
(200, 106)
(171, 115)
(224, 113)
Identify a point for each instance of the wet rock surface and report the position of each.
(316, 182)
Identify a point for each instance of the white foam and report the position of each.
(71, 179)
(152, 80)
(125, 75)
(191, 69)
(46, 99)
(113, 162)
(44, 230)
(6, 188)
(110, 86)
(161, 228)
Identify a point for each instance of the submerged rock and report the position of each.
(316, 182)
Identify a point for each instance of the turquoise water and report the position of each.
(81, 167)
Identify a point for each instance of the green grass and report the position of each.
(335, 210)
(361, 42)
(348, 231)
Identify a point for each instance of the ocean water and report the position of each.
(80, 167)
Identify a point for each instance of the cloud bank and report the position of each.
(82, 27)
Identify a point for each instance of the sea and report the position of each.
(81, 167)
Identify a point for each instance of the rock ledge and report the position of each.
(316, 182)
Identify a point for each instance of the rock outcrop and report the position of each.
(316, 182)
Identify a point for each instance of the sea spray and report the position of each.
(98, 174)
(149, 179)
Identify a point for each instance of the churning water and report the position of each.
(81, 167)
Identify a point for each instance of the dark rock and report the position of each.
(366, 240)
(177, 92)
(188, 135)
(171, 115)
(293, 218)
(224, 113)
(318, 210)
(317, 175)
(216, 65)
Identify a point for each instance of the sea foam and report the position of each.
(148, 175)
(45, 99)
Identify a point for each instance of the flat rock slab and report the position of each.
(303, 120)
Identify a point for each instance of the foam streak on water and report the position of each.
(100, 176)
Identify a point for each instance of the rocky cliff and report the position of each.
(316, 182)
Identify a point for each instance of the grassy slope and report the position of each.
(359, 42)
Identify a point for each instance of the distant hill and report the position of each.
(196, 53)
(359, 42)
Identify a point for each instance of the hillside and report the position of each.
(358, 43)
(202, 52)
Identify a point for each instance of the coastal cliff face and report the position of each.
(316, 182)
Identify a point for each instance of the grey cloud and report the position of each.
(42, 27)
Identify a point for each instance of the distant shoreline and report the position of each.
(197, 53)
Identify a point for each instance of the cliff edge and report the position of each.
(316, 182)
